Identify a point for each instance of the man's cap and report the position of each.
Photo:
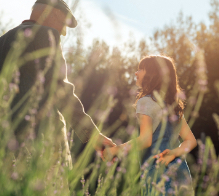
(61, 5)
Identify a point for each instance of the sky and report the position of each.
(116, 21)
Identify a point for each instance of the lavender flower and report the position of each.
(27, 32)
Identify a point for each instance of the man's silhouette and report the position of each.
(34, 47)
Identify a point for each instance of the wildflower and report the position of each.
(173, 118)
(99, 153)
(14, 176)
(203, 89)
(181, 95)
(27, 32)
(55, 191)
(166, 177)
(153, 183)
(41, 78)
(179, 161)
(109, 164)
(33, 111)
(206, 178)
(202, 82)
(27, 117)
(83, 181)
(165, 111)
(118, 169)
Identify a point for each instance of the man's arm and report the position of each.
(82, 123)
(72, 109)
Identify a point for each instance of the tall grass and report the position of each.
(36, 164)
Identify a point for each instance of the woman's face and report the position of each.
(140, 75)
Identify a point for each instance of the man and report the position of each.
(34, 47)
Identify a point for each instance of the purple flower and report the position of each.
(202, 82)
(27, 32)
(173, 118)
(33, 111)
(109, 164)
(181, 95)
(206, 178)
(41, 78)
(27, 117)
(118, 169)
(179, 161)
(99, 153)
(166, 177)
(14, 176)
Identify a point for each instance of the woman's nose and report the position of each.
(136, 73)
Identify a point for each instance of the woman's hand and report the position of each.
(165, 157)
(109, 153)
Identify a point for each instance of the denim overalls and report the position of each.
(161, 178)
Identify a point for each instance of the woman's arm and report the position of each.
(189, 143)
(144, 140)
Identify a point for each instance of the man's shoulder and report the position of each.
(39, 29)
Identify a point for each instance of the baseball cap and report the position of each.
(61, 5)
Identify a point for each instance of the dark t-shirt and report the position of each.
(36, 50)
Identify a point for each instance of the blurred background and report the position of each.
(103, 52)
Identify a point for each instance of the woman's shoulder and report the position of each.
(147, 100)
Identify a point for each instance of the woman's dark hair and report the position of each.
(161, 74)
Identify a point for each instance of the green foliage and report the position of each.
(104, 81)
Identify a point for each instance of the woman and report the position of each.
(160, 113)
